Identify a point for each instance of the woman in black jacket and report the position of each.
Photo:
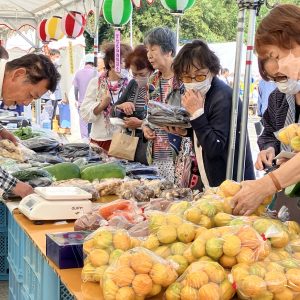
(208, 100)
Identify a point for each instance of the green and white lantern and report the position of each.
(177, 6)
(117, 12)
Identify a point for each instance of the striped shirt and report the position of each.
(141, 98)
(161, 146)
(273, 120)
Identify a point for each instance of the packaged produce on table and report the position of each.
(48, 158)
(83, 184)
(102, 248)
(203, 211)
(25, 133)
(161, 115)
(229, 245)
(203, 280)
(63, 171)
(124, 208)
(108, 186)
(42, 144)
(267, 280)
(178, 194)
(293, 229)
(73, 151)
(290, 135)
(89, 221)
(137, 274)
(160, 204)
(139, 230)
(273, 230)
(103, 171)
(229, 188)
(9, 150)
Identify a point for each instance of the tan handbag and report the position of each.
(123, 145)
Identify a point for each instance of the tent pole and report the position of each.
(177, 32)
(98, 7)
(247, 84)
(131, 33)
(236, 91)
(38, 102)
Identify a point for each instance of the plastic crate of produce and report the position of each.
(15, 286)
(64, 293)
(3, 216)
(40, 282)
(16, 241)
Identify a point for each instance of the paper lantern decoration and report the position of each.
(41, 32)
(53, 28)
(117, 12)
(177, 6)
(72, 24)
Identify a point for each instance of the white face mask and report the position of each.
(142, 81)
(124, 73)
(203, 87)
(291, 87)
(290, 66)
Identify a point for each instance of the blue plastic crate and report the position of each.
(64, 293)
(3, 216)
(16, 242)
(15, 286)
(40, 282)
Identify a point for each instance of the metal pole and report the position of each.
(38, 102)
(131, 32)
(98, 6)
(177, 32)
(247, 84)
(236, 92)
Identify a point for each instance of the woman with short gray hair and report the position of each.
(163, 87)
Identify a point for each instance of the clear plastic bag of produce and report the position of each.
(267, 280)
(102, 248)
(9, 165)
(273, 230)
(290, 136)
(125, 208)
(229, 245)
(90, 221)
(203, 280)
(42, 144)
(137, 274)
(160, 204)
(161, 115)
(108, 186)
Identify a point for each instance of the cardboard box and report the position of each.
(65, 248)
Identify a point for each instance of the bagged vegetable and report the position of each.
(230, 245)
(10, 150)
(290, 136)
(161, 115)
(89, 221)
(267, 280)
(25, 133)
(108, 186)
(125, 208)
(203, 280)
(102, 248)
(137, 274)
(42, 144)
(73, 151)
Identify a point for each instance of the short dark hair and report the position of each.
(38, 67)
(163, 37)
(3, 53)
(54, 52)
(198, 54)
(224, 70)
(138, 58)
(109, 53)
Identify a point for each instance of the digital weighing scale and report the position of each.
(56, 203)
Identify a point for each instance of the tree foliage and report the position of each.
(211, 20)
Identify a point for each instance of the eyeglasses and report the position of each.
(279, 78)
(189, 79)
